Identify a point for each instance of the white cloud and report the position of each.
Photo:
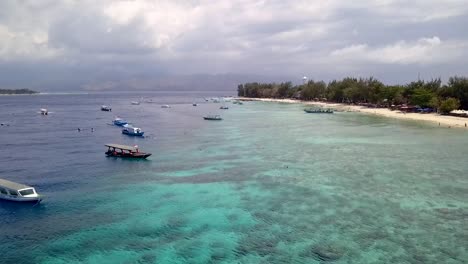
(423, 51)
(260, 36)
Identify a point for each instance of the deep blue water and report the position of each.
(268, 184)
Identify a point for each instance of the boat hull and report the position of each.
(141, 134)
(138, 155)
(21, 199)
(318, 112)
(118, 123)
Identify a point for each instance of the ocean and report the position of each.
(268, 184)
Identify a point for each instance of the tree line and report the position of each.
(17, 91)
(424, 94)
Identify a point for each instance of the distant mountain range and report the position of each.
(198, 82)
(194, 82)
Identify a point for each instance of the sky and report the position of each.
(84, 44)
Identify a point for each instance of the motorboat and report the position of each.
(132, 131)
(135, 103)
(106, 108)
(194, 104)
(213, 117)
(44, 111)
(119, 122)
(165, 106)
(224, 107)
(18, 192)
(123, 151)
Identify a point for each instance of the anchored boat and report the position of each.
(106, 108)
(119, 122)
(213, 117)
(318, 111)
(17, 192)
(123, 151)
(132, 131)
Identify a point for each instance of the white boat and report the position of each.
(132, 131)
(17, 192)
(165, 106)
(44, 111)
(135, 103)
(106, 108)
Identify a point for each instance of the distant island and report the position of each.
(17, 91)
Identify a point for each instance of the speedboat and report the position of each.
(213, 117)
(44, 111)
(132, 131)
(165, 106)
(224, 107)
(17, 192)
(119, 122)
(122, 151)
(106, 108)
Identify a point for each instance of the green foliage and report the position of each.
(448, 105)
(17, 91)
(369, 90)
(422, 97)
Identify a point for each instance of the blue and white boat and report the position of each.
(132, 131)
(119, 122)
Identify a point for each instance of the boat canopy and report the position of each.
(124, 147)
(13, 185)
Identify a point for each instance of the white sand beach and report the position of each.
(445, 121)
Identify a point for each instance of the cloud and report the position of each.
(107, 40)
(423, 51)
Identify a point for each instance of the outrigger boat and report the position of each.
(122, 151)
(318, 111)
(106, 108)
(132, 131)
(119, 122)
(17, 192)
(213, 117)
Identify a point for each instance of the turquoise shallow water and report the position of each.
(268, 184)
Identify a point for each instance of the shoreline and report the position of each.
(443, 121)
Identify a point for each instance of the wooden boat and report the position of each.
(318, 111)
(132, 131)
(123, 151)
(213, 117)
(106, 108)
(17, 192)
(119, 122)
